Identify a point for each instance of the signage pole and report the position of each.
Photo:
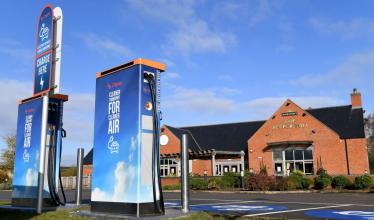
(39, 205)
(57, 47)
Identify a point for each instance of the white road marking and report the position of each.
(279, 202)
(296, 210)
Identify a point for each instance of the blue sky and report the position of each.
(227, 61)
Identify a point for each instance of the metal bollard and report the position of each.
(242, 180)
(206, 179)
(79, 179)
(185, 172)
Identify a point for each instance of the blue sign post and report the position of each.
(44, 48)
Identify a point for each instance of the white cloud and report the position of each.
(262, 108)
(355, 71)
(105, 45)
(189, 33)
(356, 27)
(220, 105)
(31, 177)
(196, 37)
(12, 91)
(204, 101)
(124, 177)
(16, 50)
(170, 76)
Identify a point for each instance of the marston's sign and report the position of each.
(44, 47)
(290, 123)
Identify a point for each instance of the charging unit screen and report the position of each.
(122, 178)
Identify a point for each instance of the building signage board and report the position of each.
(26, 161)
(44, 47)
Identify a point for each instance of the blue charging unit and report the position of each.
(125, 177)
(27, 175)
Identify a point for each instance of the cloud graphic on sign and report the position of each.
(124, 177)
(99, 195)
(132, 147)
(31, 177)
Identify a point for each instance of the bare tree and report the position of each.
(7, 158)
(369, 131)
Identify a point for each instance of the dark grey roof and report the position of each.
(193, 145)
(222, 137)
(87, 160)
(346, 121)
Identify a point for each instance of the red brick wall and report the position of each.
(167, 181)
(173, 145)
(87, 170)
(327, 144)
(358, 157)
(199, 166)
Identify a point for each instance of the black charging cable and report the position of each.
(155, 157)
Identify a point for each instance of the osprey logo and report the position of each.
(44, 32)
(113, 145)
(26, 156)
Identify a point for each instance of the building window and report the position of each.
(168, 167)
(287, 161)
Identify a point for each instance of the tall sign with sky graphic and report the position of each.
(44, 49)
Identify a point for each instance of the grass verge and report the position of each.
(23, 215)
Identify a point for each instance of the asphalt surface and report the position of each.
(285, 206)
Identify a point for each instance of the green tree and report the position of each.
(7, 158)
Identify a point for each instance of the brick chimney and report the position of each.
(356, 99)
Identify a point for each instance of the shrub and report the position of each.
(214, 183)
(197, 183)
(172, 187)
(297, 180)
(340, 182)
(322, 182)
(321, 171)
(305, 183)
(230, 180)
(264, 170)
(260, 182)
(363, 182)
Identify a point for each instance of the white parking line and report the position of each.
(220, 203)
(296, 210)
(278, 202)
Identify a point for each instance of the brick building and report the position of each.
(293, 138)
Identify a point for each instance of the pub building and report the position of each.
(332, 138)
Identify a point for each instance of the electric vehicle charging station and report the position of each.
(36, 177)
(30, 163)
(125, 177)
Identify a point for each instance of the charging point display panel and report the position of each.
(26, 159)
(122, 179)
